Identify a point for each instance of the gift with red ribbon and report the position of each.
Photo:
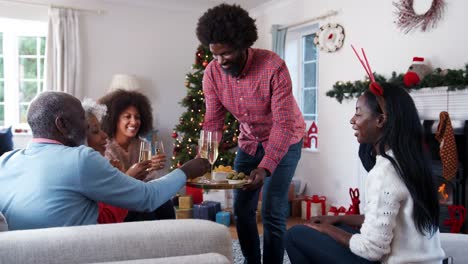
(313, 206)
(337, 211)
(457, 214)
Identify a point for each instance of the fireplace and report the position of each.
(453, 191)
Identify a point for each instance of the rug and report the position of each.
(237, 253)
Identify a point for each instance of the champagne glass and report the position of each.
(214, 137)
(203, 149)
(202, 144)
(145, 150)
(159, 147)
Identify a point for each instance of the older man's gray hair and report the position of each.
(44, 110)
(92, 108)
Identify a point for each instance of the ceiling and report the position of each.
(247, 4)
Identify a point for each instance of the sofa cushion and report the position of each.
(6, 140)
(207, 258)
(3, 223)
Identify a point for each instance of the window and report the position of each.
(22, 58)
(301, 58)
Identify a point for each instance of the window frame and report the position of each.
(295, 60)
(12, 30)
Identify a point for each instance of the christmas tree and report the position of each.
(187, 132)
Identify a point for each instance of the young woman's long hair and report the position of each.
(403, 134)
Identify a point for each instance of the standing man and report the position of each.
(255, 86)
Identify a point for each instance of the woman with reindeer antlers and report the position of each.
(400, 223)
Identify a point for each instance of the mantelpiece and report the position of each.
(431, 101)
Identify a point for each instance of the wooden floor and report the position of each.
(292, 221)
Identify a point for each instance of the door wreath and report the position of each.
(408, 19)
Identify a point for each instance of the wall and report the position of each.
(368, 24)
(157, 43)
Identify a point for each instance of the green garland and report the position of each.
(453, 79)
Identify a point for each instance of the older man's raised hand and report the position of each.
(195, 168)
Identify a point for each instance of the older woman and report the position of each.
(97, 139)
(129, 117)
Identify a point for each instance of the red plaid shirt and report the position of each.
(261, 100)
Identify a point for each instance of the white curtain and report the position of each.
(63, 72)
(278, 39)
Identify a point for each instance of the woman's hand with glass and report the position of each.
(158, 161)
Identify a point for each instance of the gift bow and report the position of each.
(315, 199)
(336, 211)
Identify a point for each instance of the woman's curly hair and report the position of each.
(119, 100)
(227, 24)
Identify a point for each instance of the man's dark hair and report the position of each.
(119, 100)
(44, 109)
(227, 24)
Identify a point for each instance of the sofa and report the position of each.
(187, 241)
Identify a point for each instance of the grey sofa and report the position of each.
(168, 241)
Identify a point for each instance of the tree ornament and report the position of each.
(225, 127)
(330, 37)
(234, 139)
(174, 134)
(187, 84)
(407, 19)
(205, 63)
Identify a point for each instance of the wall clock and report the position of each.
(330, 37)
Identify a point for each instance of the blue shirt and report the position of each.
(48, 185)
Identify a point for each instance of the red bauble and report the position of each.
(205, 63)
(174, 135)
(225, 127)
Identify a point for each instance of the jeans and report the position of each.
(275, 206)
(307, 245)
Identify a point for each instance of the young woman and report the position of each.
(400, 224)
(130, 116)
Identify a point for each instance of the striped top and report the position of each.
(261, 99)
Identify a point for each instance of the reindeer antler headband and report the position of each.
(374, 86)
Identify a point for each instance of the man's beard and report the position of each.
(234, 70)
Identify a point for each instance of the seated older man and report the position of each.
(56, 181)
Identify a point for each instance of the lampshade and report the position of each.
(125, 82)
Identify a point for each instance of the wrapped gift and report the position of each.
(296, 206)
(291, 192)
(184, 213)
(224, 197)
(200, 211)
(223, 218)
(313, 206)
(206, 210)
(336, 211)
(185, 202)
(196, 193)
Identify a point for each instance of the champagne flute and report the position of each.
(159, 147)
(145, 150)
(203, 150)
(213, 146)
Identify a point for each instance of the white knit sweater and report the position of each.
(388, 233)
